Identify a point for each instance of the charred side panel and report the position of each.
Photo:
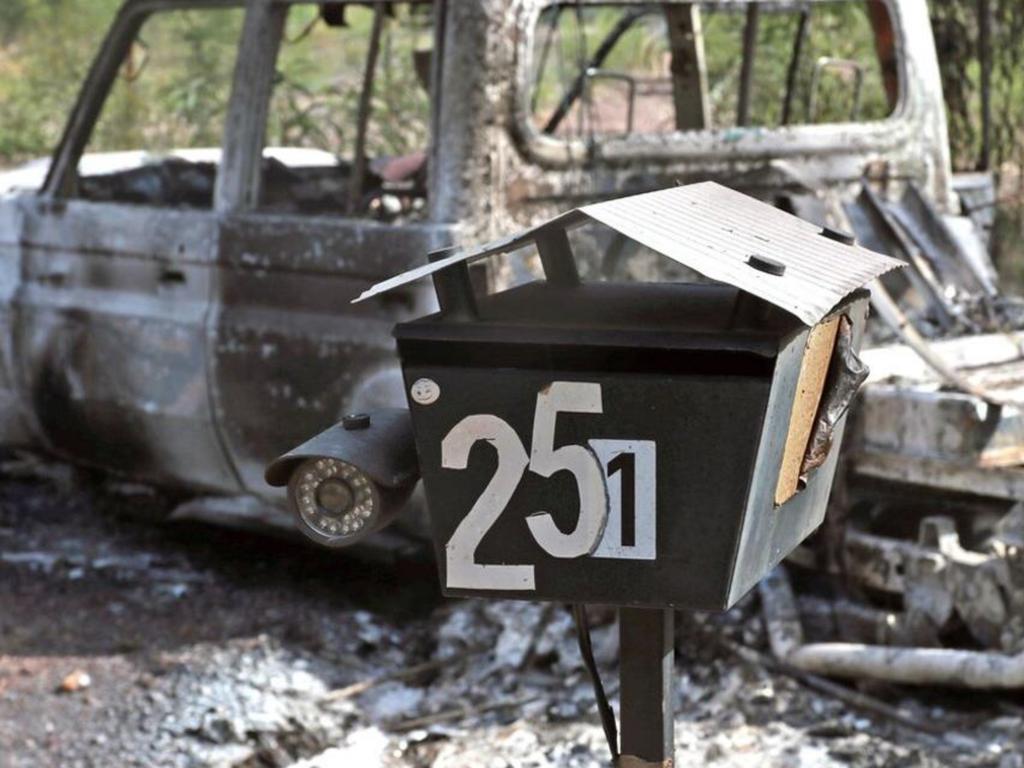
(111, 342)
(15, 418)
(290, 353)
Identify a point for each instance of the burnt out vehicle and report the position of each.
(178, 310)
(181, 314)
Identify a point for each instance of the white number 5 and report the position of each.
(545, 460)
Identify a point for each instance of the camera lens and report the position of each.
(334, 499)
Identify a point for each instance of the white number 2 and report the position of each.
(463, 572)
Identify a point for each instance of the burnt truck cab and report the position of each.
(181, 315)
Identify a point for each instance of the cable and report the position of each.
(604, 709)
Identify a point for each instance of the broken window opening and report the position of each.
(661, 68)
(319, 102)
(157, 141)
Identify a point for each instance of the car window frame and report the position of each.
(100, 81)
(732, 143)
(237, 184)
(436, 89)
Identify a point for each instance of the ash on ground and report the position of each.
(129, 640)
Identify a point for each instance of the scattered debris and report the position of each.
(75, 682)
(909, 665)
(286, 658)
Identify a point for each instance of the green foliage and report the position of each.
(179, 98)
(174, 86)
(839, 30)
(956, 26)
(45, 50)
(320, 76)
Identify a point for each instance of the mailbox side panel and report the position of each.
(771, 532)
(690, 442)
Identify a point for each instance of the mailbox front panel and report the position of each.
(589, 487)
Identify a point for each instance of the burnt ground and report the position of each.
(205, 647)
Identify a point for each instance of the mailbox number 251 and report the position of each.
(615, 481)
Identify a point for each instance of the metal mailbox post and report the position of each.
(650, 446)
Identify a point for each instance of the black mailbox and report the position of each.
(647, 444)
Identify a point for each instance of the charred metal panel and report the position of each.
(947, 583)
(926, 227)
(911, 428)
(111, 339)
(951, 426)
(166, 235)
(288, 352)
(957, 477)
(352, 247)
(15, 418)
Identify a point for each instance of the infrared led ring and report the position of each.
(333, 501)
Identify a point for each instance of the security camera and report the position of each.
(352, 479)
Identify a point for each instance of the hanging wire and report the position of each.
(604, 708)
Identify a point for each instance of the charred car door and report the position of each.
(323, 195)
(184, 313)
(119, 252)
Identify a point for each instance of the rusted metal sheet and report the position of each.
(909, 427)
(691, 225)
(939, 425)
(955, 477)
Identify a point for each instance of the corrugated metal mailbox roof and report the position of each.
(715, 230)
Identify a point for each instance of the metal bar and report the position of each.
(454, 288)
(747, 68)
(241, 166)
(857, 661)
(556, 256)
(923, 277)
(794, 64)
(62, 175)
(886, 308)
(689, 67)
(985, 60)
(355, 191)
(646, 648)
(436, 94)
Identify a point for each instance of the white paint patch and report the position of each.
(463, 572)
(425, 392)
(368, 747)
(629, 466)
(546, 460)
